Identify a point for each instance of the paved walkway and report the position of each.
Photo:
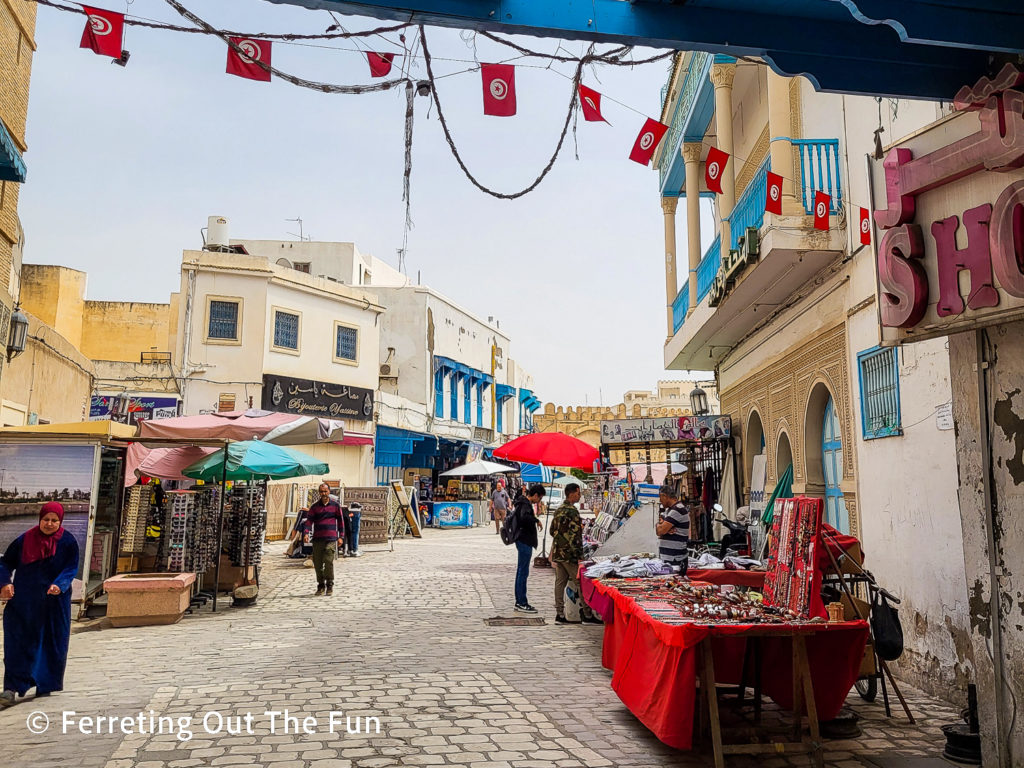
(402, 640)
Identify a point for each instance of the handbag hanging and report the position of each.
(886, 629)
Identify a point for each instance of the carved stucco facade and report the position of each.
(787, 395)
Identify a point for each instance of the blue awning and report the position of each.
(532, 403)
(535, 473)
(452, 365)
(524, 395)
(394, 445)
(503, 392)
(12, 166)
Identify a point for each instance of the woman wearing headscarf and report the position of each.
(35, 579)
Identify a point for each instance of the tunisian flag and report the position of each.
(865, 227)
(822, 203)
(244, 64)
(773, 196)
(647, 141)
(380, 63)
(104, 32)
(590, 101)
(714, 167)
(499, 89)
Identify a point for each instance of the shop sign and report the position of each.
(733, 264)
(316, 398)
(453, 515)
(140, 407)
(668, 428)
(951, 252)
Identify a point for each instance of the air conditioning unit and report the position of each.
(385, 370)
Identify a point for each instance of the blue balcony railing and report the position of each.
(680, 307)
(708, 269)
(819, 171)
(697, 73)
(749, 210)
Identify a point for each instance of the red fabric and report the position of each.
(380, 63)
(838, 544)
(865, 227)
(499, 82)
(104, 32)
(773, 195)
(246, 65)
(647, 141)
(714, 168)
(654, 664)
(590, 103)
(37, 545)
(552, 449)
(822, 202)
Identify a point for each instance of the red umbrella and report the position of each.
(552, 449)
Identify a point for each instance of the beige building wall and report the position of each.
(124, 330)
(17, 45)
(50, 381)
(56, 295)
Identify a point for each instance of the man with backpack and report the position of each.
(521, 528)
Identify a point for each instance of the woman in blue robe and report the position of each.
(35, 581)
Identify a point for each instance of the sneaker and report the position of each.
(319, 591)
(591, 620)
(525, 608)
(357, 553)
(7, 699)
(560, 619)
(329, 592)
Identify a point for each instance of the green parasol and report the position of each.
(255, 460)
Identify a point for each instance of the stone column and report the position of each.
(721, 77)
(691, 158)
(780, 150)
(668, 206)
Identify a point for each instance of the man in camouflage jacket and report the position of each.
(566, 553)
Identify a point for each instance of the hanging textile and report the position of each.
(727, 497)
(783, 489)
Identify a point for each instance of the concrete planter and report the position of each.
(143, 599)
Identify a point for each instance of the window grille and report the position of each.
(223, 320)
(879, 392)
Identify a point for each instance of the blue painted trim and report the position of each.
(503, 392)
(749, 209)
(439, 393)
(819, 39)
(12, 165)
(690, 120)
(893, 430)
(708, 268)
(467, 392)
(455, 377)
(680, 307)
(841, 520)
(819, 172)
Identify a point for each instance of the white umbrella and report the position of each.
(479, 467)
(566, 479)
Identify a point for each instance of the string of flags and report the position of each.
(104, 35)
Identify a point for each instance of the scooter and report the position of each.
(737, 540)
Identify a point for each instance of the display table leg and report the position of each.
(798, 692)
(803, 672)
(757, 679)
(708, 683)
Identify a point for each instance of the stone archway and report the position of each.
(753, 444)
(783, 454)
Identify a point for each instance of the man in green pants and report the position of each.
(328, 533)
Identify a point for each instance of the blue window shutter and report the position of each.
(878, 370)
(467, 388)
(439, 393)
(454, 415)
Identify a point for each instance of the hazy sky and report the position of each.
(125, 164)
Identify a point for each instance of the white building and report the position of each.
(446, 379)
(249, 332)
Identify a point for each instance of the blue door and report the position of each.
(832, 464)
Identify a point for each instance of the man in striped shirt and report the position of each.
(325, 517)
(673, 529)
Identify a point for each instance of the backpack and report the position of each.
(510, 528)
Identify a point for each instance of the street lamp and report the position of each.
(699, 401)
(17, 335)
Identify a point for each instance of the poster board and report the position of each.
(405, 506)
(793, 580)
(373, 527)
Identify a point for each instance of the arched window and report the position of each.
(832, 469)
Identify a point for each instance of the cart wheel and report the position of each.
(867, 687)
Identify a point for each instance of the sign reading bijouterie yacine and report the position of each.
(316, 398)
(661, 429)
(951, 250)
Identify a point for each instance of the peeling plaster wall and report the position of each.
(994, 516)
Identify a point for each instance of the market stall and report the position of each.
(662, 634)
(461, 502)
(80, 465)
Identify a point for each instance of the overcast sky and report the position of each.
(125, 164)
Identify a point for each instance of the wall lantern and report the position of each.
(18, 334)
(699, 401)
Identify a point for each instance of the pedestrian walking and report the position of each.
(328, 538)
(499, 505)
(353, 513)
(673, 529)
(566, 553)
(36, 573)
(526, 542)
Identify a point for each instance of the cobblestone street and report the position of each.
(403, 640)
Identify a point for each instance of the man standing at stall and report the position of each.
(566, 553)
(328, 538)
(499, 505)
(673, 529)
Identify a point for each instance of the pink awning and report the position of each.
(277, 428)
(165, 463)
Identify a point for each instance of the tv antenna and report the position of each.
(301, 235)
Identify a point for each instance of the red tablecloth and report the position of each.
(654, 664)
